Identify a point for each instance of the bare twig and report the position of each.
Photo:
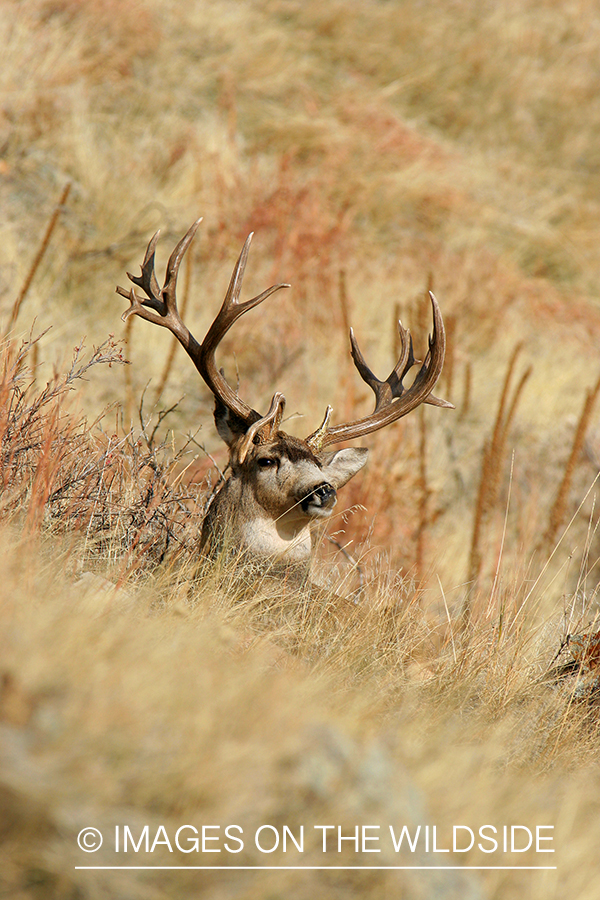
(355, 564)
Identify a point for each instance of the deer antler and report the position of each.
(160, 307)
(263, 429)
(392, 399)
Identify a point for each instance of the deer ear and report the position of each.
(229, 426)
(341, 466)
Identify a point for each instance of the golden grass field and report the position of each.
(375, 148)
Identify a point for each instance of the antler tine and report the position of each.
(392, 387)
(268, 425)
(237, 276)
(231, 308)
(159, 306)
(169, 290)
(147, 280)
(392, 399)
(431, 368)
(405, 362)
(230, 312)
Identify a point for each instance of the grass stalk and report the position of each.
(558, 510)
(492, 461)
(41, 252)
(423, 496)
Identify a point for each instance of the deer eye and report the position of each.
(266, 462)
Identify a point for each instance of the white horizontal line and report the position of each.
(336, 868)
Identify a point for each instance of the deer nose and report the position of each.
(324, 495)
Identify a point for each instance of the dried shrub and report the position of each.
(117, 491)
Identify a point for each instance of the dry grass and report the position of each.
(399, 146)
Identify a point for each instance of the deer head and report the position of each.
(278, 485)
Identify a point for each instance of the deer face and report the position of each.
(277, 490)
(291, 483)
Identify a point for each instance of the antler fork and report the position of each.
(392, 399)
(160, 307)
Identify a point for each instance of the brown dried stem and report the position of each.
(494, 452)
(466, 398)
(38, 258)
(449, 361)
(423, 495)
(128, 381)
(558, 510)
(350, 392)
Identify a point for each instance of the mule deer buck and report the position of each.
(279, 486)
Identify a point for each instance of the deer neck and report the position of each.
(238, 518)
(264, 537)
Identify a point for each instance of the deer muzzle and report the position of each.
(320, 501)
